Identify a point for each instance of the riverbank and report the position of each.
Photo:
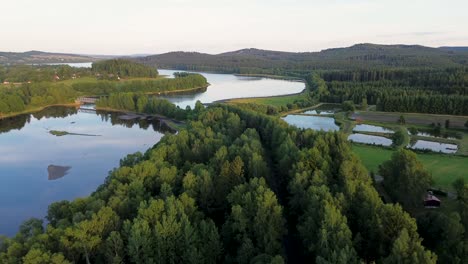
(181, 91)
(274, 100)
(276, 77)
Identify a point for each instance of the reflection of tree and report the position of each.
(115, 119)
(11, 123)
(56, 112)
(18, 122)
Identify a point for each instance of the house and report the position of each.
(56, 77)
(6, 82)
(431, 201)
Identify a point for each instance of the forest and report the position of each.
(105, 87)
(435, 91)
(123, 68)
(237, 186)
(40, 73)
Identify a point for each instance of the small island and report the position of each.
(59, 133)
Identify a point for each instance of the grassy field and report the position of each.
(444, 168)
(411, 118)
(274, 100)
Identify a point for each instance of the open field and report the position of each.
(444, 168)
(273, 100)
(411, 118)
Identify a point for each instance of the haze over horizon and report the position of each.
(152, 27)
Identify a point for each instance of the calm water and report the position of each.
(370, 139)
(318, 112)
(227, 86)
(371, 128)
(76, 165)
(313, 122)
(434, 146)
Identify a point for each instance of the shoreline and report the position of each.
(257, 97)
(179, 91)
(268, 76)
(74, 104)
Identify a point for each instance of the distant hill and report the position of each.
(41, 57)
(454, 48)
(360, 56)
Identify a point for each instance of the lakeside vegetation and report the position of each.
(30, 96)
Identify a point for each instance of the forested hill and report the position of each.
(33, 56)
(360, 56)
(124, 68)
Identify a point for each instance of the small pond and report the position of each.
(372, 128)
(434, 146)
(319, 112)
(370, 139)
(312, 122)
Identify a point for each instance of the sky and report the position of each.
(124, 27)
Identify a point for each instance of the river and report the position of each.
(38, 168)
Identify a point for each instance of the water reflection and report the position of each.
(319, 112)
(56, 172)
(372, 128)
(312, 122)
(433, 146)
(370, 139)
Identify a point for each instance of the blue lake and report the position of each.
(27, 149)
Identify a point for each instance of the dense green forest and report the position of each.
(162, 85)
(34, 95)
(106, 69)
(236, 186)
(437, 91)
(360, 56)
(124, 68)
(40, 73)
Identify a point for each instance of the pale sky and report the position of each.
(214, 26)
